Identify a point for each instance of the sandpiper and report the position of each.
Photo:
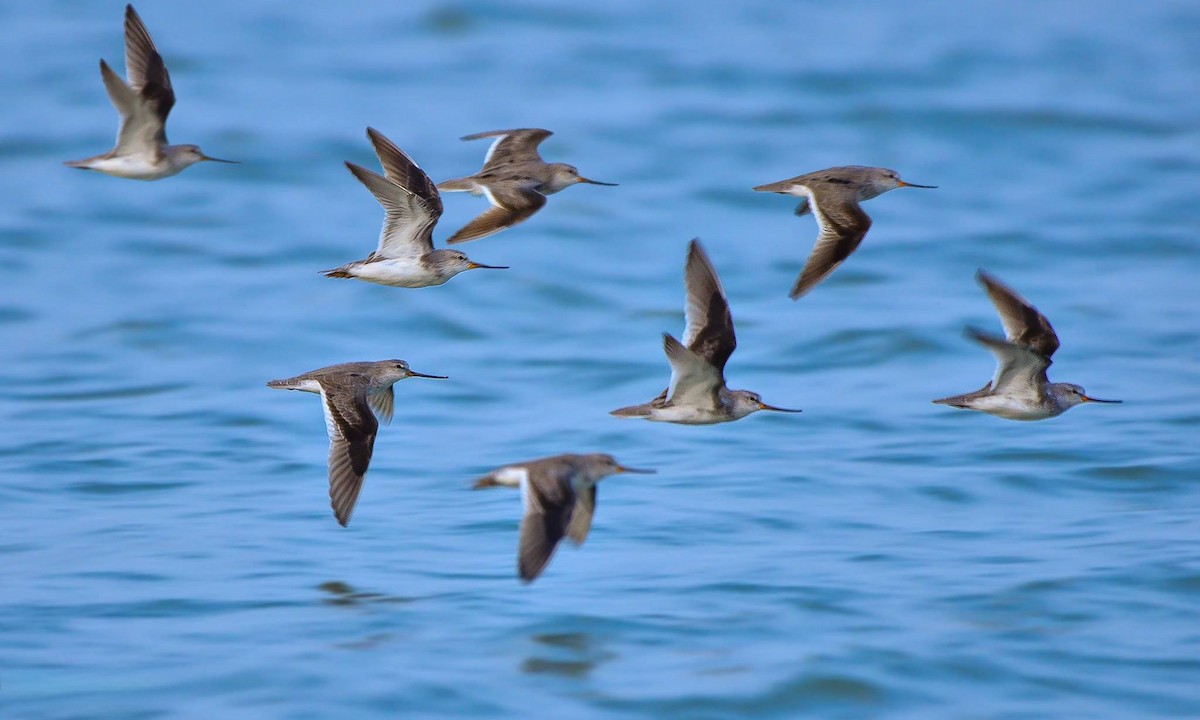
(515, 180)
(559, 495)
(833, 195)
(1019, 390)
(697, 394)
(405, 256)
(142, 152)
(349, 392)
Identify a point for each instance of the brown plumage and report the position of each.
(833, 196)
(515, 180)
(351, 394)
(559, 495)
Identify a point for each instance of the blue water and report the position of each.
(165, 537)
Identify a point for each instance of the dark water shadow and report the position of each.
(342, 594)
(566, 654)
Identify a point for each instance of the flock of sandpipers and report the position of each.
(559, 492)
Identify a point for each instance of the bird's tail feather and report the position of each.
(782, 187)
(964, 400)
(953, 400)
(486, 481)
(632, 411)
(464, 184)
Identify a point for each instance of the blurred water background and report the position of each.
(165, 537)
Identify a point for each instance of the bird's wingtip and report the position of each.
(971, 332)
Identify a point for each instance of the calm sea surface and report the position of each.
(165, 537)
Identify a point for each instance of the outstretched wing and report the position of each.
(581, 515)
(402, 170)
(1023, 324)
(709, 332)
(383, 403)
(694, 382)
(519, 145)
(549, 502)
(1020, 372)
(148, 79)
(410, 201)
(842, 223)
(352, 428)
(511, 204)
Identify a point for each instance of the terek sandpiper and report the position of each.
(697, 394)
(559, 494)
(515, 180)
(142, 152)
(833, 195)
(349, 392)
(1019, 390)
(405, 256)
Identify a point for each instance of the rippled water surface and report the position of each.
(165, 535)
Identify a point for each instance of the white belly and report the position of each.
(397, 273)
(309, 385)
(134, 167)
(685, 415)
(1013, 409)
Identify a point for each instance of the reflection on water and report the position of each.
(567, 654)
(343, 594)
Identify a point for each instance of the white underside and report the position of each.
(799, 191)
(511, 476)
(686, 415)
(136, 167)
(1013, 408)
(397, 273)
(311, 386)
